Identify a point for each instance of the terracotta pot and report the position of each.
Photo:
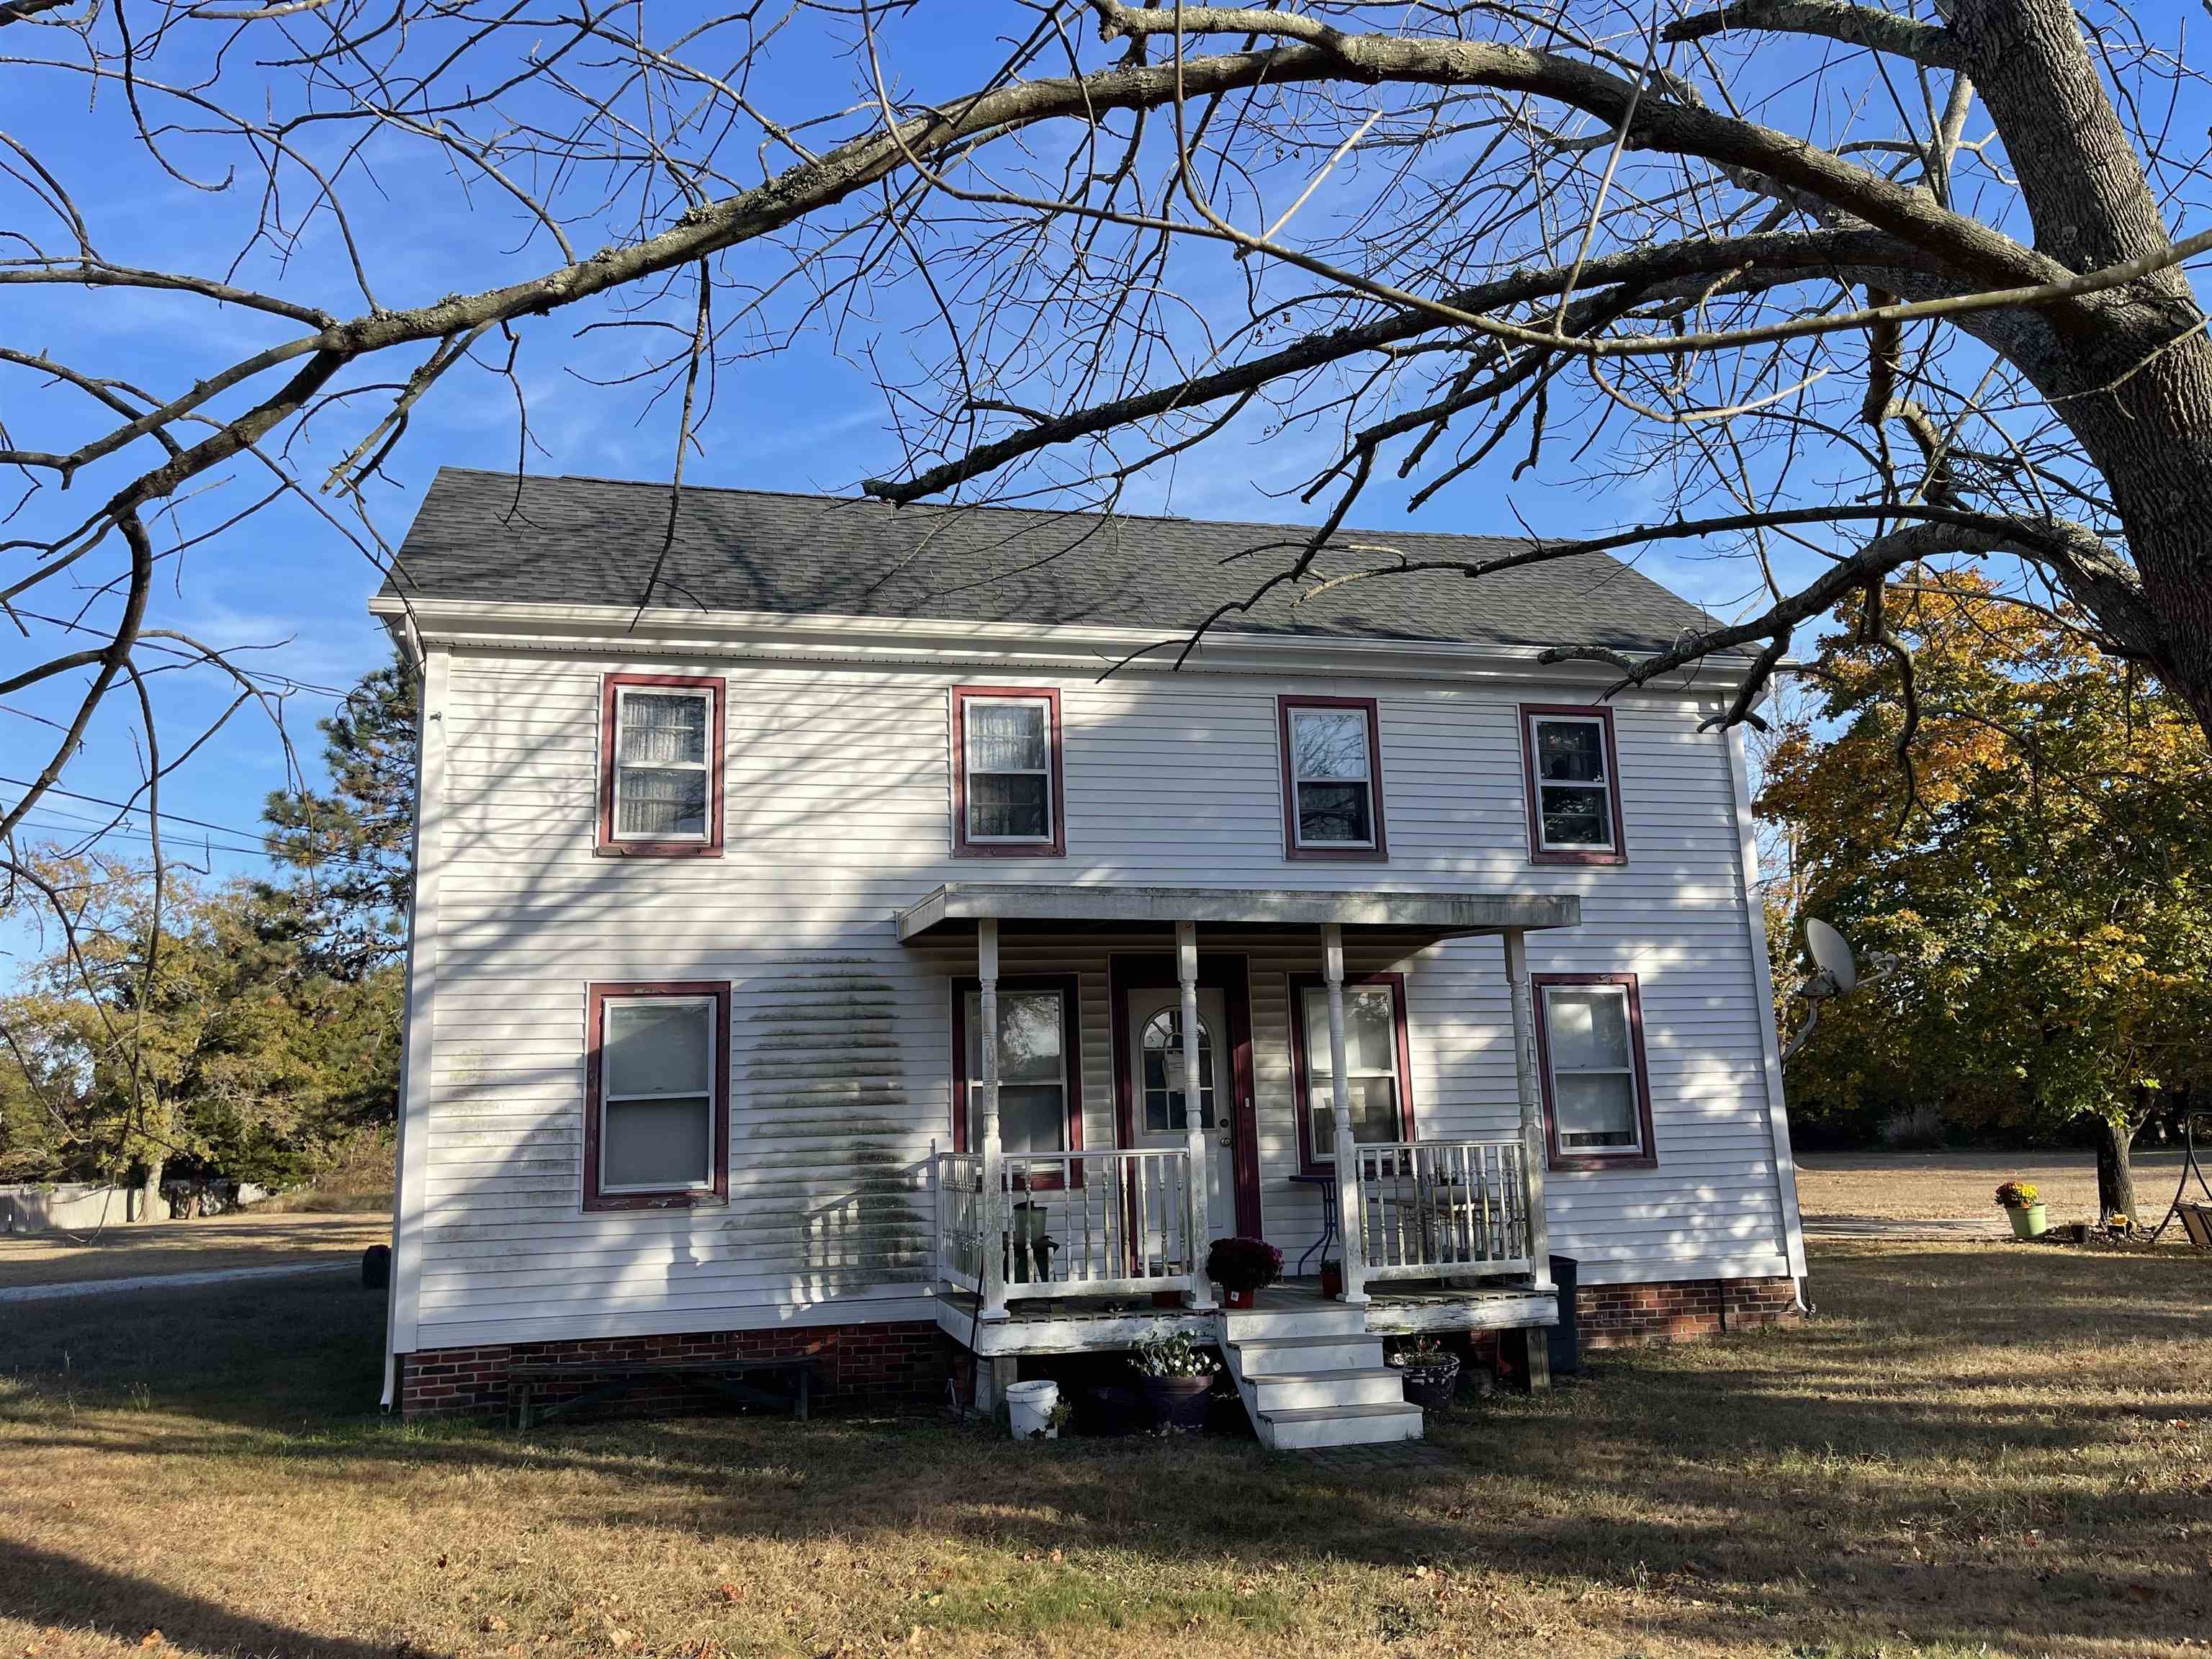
(1240, 1299)
(1332, 1280)
(1167, 1299)
(1179, 1402)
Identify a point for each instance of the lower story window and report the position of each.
(1596, 1095)
(1039, 1102)
(657, 1096)
(1374, 1065)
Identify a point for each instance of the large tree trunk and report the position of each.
(2115, 1179)
(147, 1205)
(2136, 386)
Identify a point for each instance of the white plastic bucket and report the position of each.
(1030, 1407)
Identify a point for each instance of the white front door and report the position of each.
(1154, 1040)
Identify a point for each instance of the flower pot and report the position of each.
(1431, 1387)
(1332, 1281)
(1240, 1299)
(1179, 1402)
(2028, 1223)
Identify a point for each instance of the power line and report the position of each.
(178, 817)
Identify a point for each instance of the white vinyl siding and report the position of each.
(839, 792)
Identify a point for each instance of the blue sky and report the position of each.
(287, 585)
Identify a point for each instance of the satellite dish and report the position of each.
(1832, 957)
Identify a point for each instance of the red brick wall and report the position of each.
(882, 1364)
(1619, 1315)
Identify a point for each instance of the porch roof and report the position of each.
(1023, 907)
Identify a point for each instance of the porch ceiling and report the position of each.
(1022, 907)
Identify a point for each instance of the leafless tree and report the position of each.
(1868, 287)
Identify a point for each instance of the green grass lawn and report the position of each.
(1975, 1448)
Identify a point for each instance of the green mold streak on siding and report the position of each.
(825, 1152)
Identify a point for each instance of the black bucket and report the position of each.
(1564, 1339)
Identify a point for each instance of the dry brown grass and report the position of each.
(249, 1240)
(1941, 1186)
(1975, 1449)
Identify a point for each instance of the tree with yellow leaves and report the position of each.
(2025, 827)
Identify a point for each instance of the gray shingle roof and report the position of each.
(594, 541)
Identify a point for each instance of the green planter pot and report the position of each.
(2028, 1223)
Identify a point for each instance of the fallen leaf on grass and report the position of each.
(152, 1639)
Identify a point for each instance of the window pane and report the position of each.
(1005, 737)
(1328, 742)
(660, 729)
(1165, 1088)
(1031, 1119)
(1029, 1036)
(651, 805)
(1569, 751)
(654, 1143)
(656, 1048)
(1333, 812)
(1370, 1031)
(1375, 1116)
(1587, 1030)
(1595, 1110)
(1004, 806)
(1577, 816)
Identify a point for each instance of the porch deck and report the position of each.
(1094, 1324)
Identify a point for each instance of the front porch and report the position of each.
(1082, 1324)
(1093, 1248)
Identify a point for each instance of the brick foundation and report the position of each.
(1623, 1315)
(882, 1365)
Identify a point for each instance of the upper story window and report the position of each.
(660, 765)
(1597, 1100)
(1009, 799)
(1574, 786)
(1376, 1056)
(1332, 778)
(656, 1097)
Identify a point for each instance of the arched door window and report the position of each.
(1165, 1085)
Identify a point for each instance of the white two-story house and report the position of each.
(819, 929)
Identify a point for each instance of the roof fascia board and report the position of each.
(622, 630)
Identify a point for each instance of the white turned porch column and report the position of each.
(1534, 1153)
(993, 1216)
(1193, 1085)
(1351, 1229)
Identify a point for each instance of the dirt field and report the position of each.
(1940, 1186)
(250, 1240)
(1977, 1450)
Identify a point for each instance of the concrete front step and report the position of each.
(1339, 1425)
(1296, 1391)
(1270, 1356)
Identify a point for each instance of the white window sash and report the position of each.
(971, 772)
(707, 1089)
(1600, 784)
(705, 764)
(1365, 784)
(1635, 1145)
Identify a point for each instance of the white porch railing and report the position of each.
(1114, 1222)
(1440, 1209)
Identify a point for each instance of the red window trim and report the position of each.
(1646, 1157)
(1056, 847)
(1071, 1043)
(718, 697)
(1378, 853)
(1538, 853)
(719, 1143)
(1301, 1069)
